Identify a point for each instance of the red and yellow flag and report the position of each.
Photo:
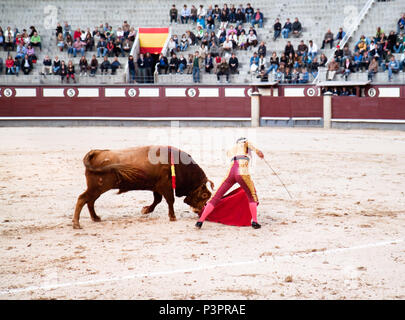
(152, 40)
(172, 170)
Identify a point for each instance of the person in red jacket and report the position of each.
(10, 65)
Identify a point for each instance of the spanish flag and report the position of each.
(152, 40)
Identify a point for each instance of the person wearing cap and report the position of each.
(240, 155)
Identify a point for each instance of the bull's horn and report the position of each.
(211, 184)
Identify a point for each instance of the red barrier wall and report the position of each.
(368, 108)
(291, 107)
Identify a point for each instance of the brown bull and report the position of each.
(143, 168)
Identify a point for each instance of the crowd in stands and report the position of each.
(103, 40)
(220, 33)
(369, 54)
(24, 44)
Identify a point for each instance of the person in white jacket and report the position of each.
(312, 49)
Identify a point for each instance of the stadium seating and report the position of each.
(316, 17)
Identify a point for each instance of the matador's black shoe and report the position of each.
(255, 225)
(198, 224)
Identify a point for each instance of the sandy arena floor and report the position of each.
(341, 237)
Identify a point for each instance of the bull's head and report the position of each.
(199, 197)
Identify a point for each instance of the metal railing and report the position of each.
(353, 28)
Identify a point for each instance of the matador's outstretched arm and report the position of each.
(258, 152)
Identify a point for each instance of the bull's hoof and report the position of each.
(96, 219)
(173, 219)
(76, 225)
(198, 224)
(146, 210)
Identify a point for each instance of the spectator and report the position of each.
(70, 72)
(372, 68)
(365, 61)
(328, 38)
(226, 47)
(183, 42)
(224, 19)
(339, 54)
(105, 65)
(210, 24)
(263, 76)
(262, 62)
(201, 12)
(209, 63)
(83, 65)
(173, 14)
(201, 22)
(102, 47)
(233, 64)
(163, 64)
(296, 28)
(182, 64)
(214, 49)
(60, 42)
(17, 66)
(56, 66)
(62, 71)
(357, 59)
(1, 65)
(89, 41)
(323, 60)
(302, 49)
(78, 45)
(333, 67)
(131, 69)
(21, 51)
(10, 69)
(148, 67)
(242, 41)
(348, 68)
(254, 63)
(312, 49)
(110, 48)
(261, 50)
(402, 61)
(313, 67)
(257, 18)
(66, 29)
(47, 65)
(393, 67)
(193, 14)
(94, 66)
(251, 40)
(239, 17)
(223, 69)
(126, 47)
(286, 29)
(185, 14)
(277, 29)
(274, 63)
(115, 65)
(118, 48)
(340, 35)
(173, 64)
(189, 68)
(289, 49)
(249, 12)
(36, 41)
(69, 44)
(196, 67)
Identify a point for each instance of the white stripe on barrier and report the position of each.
(369, 120)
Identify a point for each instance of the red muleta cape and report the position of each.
(232, 210)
